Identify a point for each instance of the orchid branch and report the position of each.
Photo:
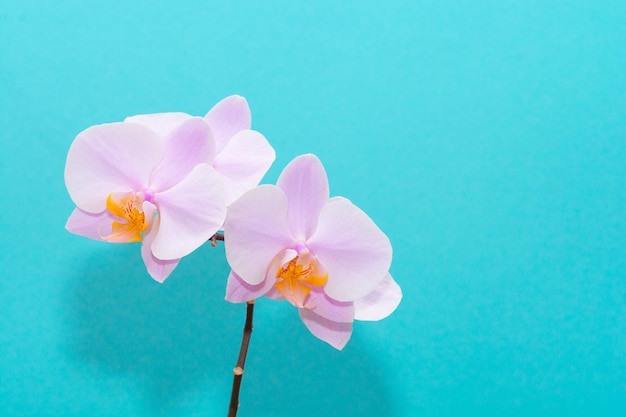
(217, 236)
(243, 350)
(241, 361)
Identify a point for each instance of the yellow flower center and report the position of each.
(129, 208)
(298, 277)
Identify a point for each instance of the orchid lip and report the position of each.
(133, 222)
(297, 277)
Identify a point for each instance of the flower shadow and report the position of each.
(290, 372)
(176, 337)
(169, 337)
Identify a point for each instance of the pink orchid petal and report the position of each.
(188, 145)
(158, 269)
(115, 157)
(90, 225)
(380, 303)
(283, 259)
(278, 261)
(162, 123)
(322, 305)
(334, 333)
(274, 294)
(305, 184)
(239, 291)
(228, 117)
(243, 162)
(255, 231)
(190, 213)
(355, 252)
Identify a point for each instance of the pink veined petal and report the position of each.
(255, 231)
(356, 253)
(334, 333)
(274, 294)
(115, 157)
(380, 303)
(188, 145)
(305, 184)
(162, 123)
(322, 305)
(278, 261)
(283, 258)
(158, 269)
(239, 291)
(228, 117)
(190, 213)
(90, 225)
(243, 162)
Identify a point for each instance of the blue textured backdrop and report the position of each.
(488, 139)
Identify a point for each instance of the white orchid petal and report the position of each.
(355, 252)
(190, 213)
(228, 117)
(380, 303)
(255, 231)
(115, 157)
(243, 162)
(189, 144)
(305, 184)
(239, 291)
(161, 123)
(334, 333)
(158, 269)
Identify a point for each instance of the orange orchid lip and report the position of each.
(128, 207)
(296, 278)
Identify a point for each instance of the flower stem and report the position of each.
(241, 361)
(217, 236)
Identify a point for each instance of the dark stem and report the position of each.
(215, 238)
(243, 352)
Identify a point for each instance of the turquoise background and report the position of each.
(486, 138)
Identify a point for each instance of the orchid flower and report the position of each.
(323, 255)
(164, 179)
(242, 156)
(130, 185)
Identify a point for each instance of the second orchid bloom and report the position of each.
(324, 255)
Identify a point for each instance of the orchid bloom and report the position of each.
(130, 185)
(164, 179)
(242, 156)
(323, 255)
